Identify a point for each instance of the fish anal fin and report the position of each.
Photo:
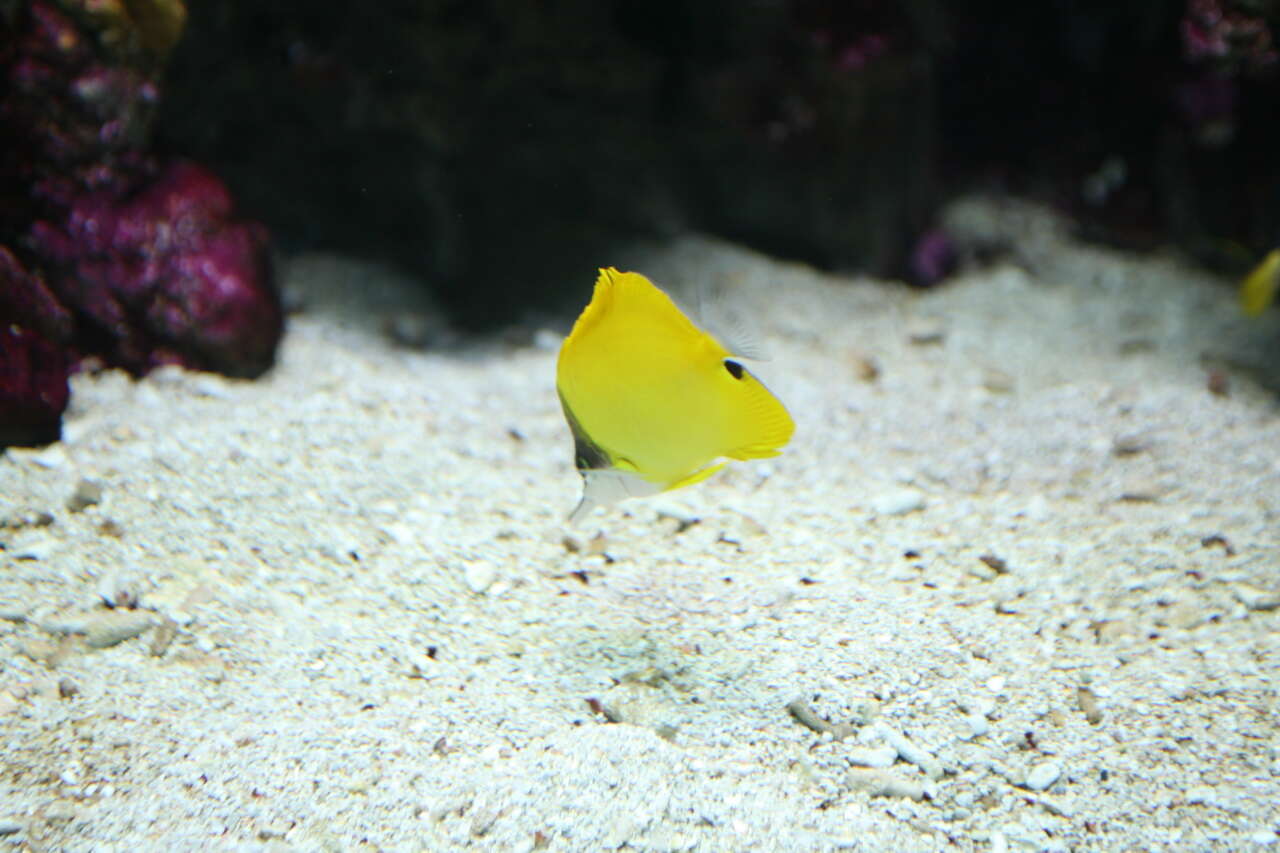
(696, 477)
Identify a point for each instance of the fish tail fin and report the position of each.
(767, 425)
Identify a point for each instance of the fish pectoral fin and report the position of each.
(601, 487)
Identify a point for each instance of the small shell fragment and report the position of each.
(1088, 703)
(113, 628)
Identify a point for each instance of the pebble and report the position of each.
(12, 611)
(40, 548)
(881, 783)
(110, 629)
(211, 385)
(1043, 775)
(1201, 795)
(418, 330)
(67, 688)
(871, 756)
(482, 820)
(640, 706)
(863, 710)
(1129, 445)
(996, 564)
(982, 706)
(163, 637)
(479, 576)
(910, 752)
(1036, 509)
(978, 725)
(87, 493)
(1256, 599)
(1016, 778)
(1143, 491)
(273, 830)
(620, 829)
(119, 590)
(983, 572)
(866, 368)
(1053, 807)
(51, 457)
(1089, 705)
(926, 330)
(997, 381)
(59, 812)
(40, 651)
(898, 502)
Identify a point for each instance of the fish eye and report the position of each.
(735, 369)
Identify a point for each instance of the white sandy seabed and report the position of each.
(1021, 565)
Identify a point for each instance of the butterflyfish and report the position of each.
(653, 401)
(1259, 287)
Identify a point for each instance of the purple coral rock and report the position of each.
(33, 364)
(33, 367)
(33, 387)
(104, 249)
(167, 276)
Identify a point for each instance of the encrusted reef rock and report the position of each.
(106, 248)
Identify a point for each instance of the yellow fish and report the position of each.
(1260, 286)
(653, 401)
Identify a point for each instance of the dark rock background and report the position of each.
(496, 148)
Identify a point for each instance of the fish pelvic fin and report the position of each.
(608, 486)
